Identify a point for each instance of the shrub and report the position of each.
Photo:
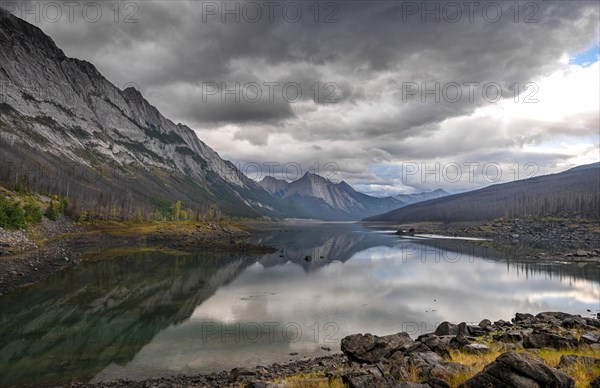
(12, 215)
(51, 212)
(31, 209)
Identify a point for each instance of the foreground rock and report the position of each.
(371, 348)
(519, 370)
(397, 360)
(543, 339)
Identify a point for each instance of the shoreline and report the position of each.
(547, 348)
(560, 240)
(62, 244)
(69, 245)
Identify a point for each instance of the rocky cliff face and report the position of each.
(60, 117)
(277, 187)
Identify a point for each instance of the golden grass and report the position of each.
(311, 380)
(582, 374)
(475, 362)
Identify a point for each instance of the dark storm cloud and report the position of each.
(371, 54)
(183, 43)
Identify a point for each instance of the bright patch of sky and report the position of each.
(588, 57)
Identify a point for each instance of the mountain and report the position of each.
(65, 129)
(320, 198)
(575, 192)
(277, 187)
(420, 197)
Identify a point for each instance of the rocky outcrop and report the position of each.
(370, 348)
(519, 370)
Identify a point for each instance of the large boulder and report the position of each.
(593, 322)
(446, 328)
(589, 338)
(568, 360)
(459, 342)
(524, 318)
(370, 348)
(552, 317)
(542, 339)
(519, 370)
(431, 343)
(427, 365)
(485, 323)
(366, 378)
(477, 331)
(476, 348)
(509, 337)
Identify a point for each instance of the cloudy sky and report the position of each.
(391, 96)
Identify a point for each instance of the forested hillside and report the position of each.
(571, 193)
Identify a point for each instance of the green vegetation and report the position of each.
(56, 207)
(31, 210)
(26, 209)
(12, 215)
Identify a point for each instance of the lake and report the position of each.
(152, 314)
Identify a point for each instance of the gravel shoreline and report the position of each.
(548, 240)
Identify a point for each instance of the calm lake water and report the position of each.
(150, 314)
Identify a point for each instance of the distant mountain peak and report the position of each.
(327, 200)
(422, 196)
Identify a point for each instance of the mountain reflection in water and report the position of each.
(151, 314)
